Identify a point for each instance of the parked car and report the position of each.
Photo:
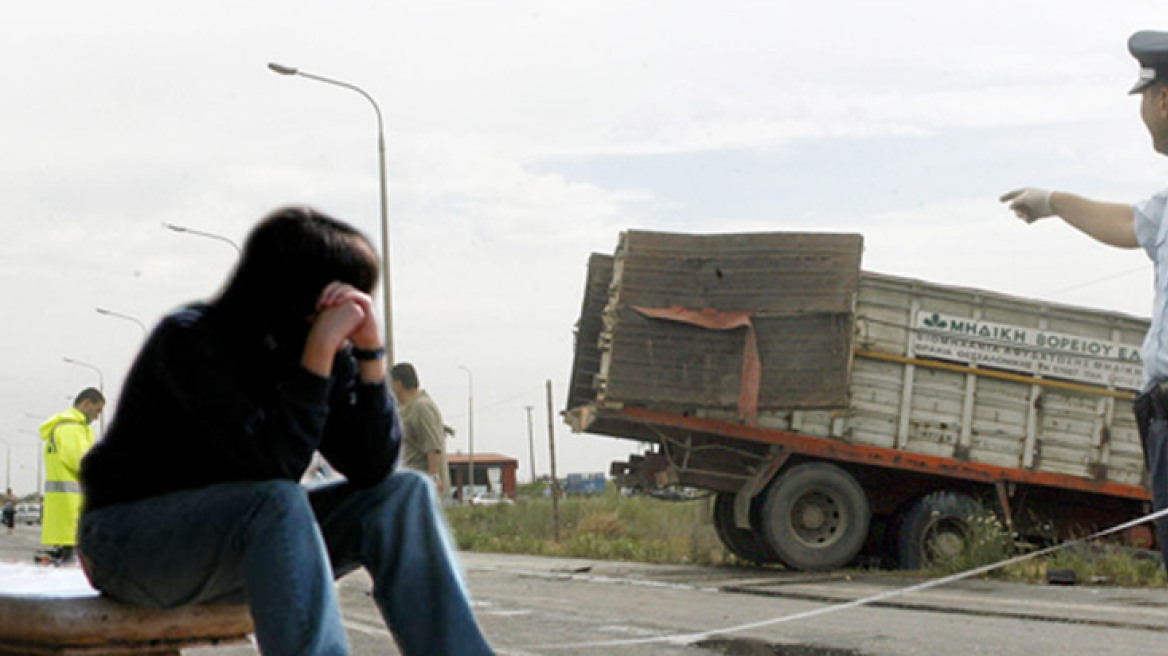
(28, 513)
(489, 499)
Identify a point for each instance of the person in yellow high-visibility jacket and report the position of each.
(67, 437)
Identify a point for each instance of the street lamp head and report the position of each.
(102, 311)
(171, 226)
(385, 284)
(282, 69)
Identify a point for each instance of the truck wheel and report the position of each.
(815, 517)
(745, 544)
(936, 529)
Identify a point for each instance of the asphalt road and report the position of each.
(543, 606)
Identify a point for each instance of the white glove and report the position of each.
(1029, 203)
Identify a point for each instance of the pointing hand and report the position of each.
(1029, 203)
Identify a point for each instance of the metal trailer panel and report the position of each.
(1076, 427)
(1080, 431)
(654, 425)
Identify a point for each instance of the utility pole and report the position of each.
(555, 481)
(469, 430)
(530, 441)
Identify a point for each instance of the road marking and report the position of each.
(592, 578)
(1022, 608)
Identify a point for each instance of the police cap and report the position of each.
(1151, 50)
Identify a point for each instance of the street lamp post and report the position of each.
(200, 233)
(100, 385)
(386, 294)
(530, 441)
(469, 427)
(118, 315)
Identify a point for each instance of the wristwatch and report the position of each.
(368, 354)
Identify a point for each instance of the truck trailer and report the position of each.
(830, 409)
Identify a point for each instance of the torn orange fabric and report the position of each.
(748, 390)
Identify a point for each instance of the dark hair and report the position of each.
(288, 259)
(91, 394)
(404, 373)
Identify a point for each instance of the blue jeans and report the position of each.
(1156, 457)
(276, 545)
(1151, 412)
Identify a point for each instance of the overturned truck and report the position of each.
(832, 409)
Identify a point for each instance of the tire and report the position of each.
(815, 517)
(745, 544)
(935, 529)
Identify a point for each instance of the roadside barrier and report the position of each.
(689, 638)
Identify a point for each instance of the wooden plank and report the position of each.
(586, 363)
(799, 287)
(778, 272)
(655, 361)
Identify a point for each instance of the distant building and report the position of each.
(492, 473)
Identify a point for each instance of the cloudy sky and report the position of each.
(521, 137)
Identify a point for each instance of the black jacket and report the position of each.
(207, 402)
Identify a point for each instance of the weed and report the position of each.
(1101, 564)
(986, 541)
(608, 526)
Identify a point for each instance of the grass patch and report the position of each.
(643, 529)
(604, 527)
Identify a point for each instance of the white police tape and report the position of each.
(688, 638)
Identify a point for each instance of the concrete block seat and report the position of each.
(50, 610)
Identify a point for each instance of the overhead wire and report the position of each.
(1095, 281)
(497, 403)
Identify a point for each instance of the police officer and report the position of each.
(1126, 226)
(67, 437)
